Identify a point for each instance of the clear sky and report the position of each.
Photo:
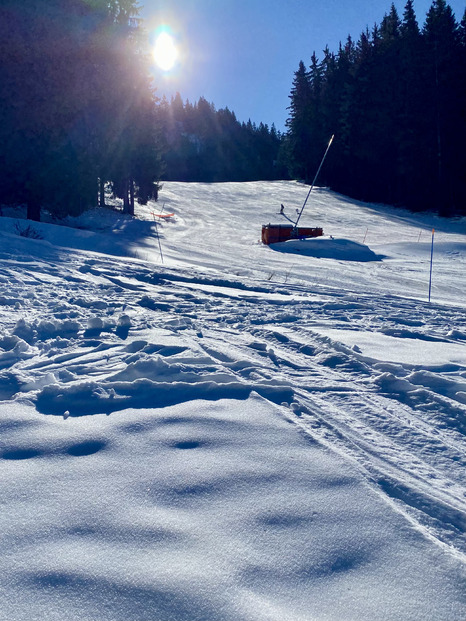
(243, 53)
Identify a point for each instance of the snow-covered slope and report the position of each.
(195, 426)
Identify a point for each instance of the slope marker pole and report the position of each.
(431, 260)
(157, 233)
(158, 238)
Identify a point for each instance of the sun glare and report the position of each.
(165, 52)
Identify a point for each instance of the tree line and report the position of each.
(79, 114)
(200, 143)
(396, 101)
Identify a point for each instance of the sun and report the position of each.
(165, 53)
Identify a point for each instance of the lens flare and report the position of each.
(165, 53)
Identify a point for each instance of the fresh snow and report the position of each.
(195, 426)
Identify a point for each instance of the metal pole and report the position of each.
(158, 236)
(314, 182)
(431, 257)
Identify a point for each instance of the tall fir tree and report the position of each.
(299, 127)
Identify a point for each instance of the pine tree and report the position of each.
(411, 155)
(299, 135)
(441, 53)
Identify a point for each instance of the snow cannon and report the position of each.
(275, 233)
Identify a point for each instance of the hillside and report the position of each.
(195, 426)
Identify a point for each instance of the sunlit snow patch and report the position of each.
(404, 350)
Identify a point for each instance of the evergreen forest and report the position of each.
(79, 114)
(76, 105)
(396, 101)
(201, 143)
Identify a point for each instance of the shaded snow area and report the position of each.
(198, 427)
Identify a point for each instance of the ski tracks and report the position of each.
(114, 336)
(400, 424)
(407, 440)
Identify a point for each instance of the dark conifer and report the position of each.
(299, 127)
(442, 48)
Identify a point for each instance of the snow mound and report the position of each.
(324, 247)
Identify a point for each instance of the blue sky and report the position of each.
(243, 53)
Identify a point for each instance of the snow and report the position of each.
(404, 347)
(195, 426)
(328, 248)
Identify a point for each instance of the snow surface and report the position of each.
(195, 426)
